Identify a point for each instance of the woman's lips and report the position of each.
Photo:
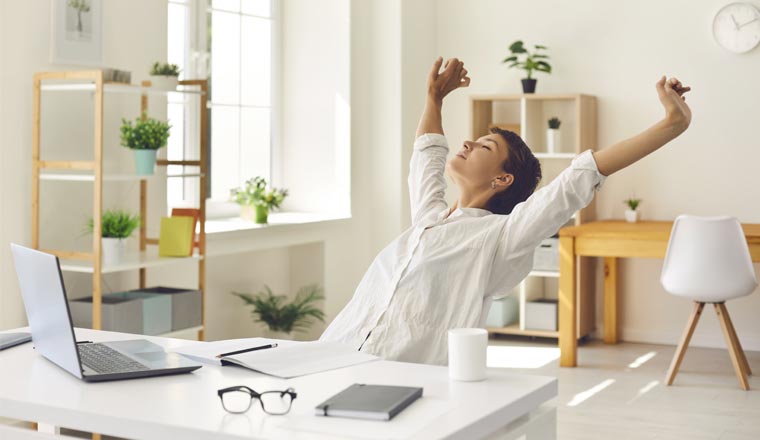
(461, 155)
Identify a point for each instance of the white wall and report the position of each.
(616, 51)
(339, 252)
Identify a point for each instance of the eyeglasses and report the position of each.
(237, 400)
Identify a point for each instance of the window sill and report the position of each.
(276, 220)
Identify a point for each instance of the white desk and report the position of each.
(186, 406)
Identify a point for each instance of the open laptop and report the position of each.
(39, 276)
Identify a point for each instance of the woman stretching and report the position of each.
(443, 272)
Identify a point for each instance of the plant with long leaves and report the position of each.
(522, 58)
(115, 223)
(280, 315)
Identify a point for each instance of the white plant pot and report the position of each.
(163, 82)
(631, 216)
(553, 143)
(114, 250)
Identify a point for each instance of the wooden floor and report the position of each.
(618, 391)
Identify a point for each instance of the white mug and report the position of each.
(467, 354)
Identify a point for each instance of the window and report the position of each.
(233, 42)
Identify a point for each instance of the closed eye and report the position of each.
(487, 148)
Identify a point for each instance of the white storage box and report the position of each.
(546, 256)
(541, 315)
(503, 312)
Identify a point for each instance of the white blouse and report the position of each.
(442, 273)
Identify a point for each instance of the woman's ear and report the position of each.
(503, 182)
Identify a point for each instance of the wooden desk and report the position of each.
(611, 239)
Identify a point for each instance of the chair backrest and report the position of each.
(708, 260)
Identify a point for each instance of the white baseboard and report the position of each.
(749, 342)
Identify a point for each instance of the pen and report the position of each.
(246, 350)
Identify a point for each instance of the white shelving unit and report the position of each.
(527, 115)
(91, 81)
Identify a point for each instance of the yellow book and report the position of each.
(176, 236)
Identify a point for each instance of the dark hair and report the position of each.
(526, 169)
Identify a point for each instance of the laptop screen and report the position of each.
(39, 277)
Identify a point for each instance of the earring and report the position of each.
(493, 185)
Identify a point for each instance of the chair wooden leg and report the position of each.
(733, 350)
(742, 355)
(681, 350)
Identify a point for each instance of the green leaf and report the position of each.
(517, 47)
(538, 46)
(510, 59)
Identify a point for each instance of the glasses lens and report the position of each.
(276, 402)
(236, 401)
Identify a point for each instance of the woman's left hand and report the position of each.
(672, 96)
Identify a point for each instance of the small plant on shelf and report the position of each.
(144, 137)
(522, 58)
(116, 226)
(631, 214)
(552, 135)
(281, 315)
(164, 69)
(256, 200)
(164, 76)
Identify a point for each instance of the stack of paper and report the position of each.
(288, 359)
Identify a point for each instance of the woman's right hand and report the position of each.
(671, 93)
(454, 76)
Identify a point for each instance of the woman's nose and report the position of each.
(467, 146)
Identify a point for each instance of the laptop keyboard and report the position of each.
(106, 360)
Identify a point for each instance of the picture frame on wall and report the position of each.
(76, 32)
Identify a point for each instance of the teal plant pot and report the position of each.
(145, 162)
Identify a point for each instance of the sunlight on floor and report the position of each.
(504, 356)
(647, 388)
(641, 360)
(582, 396)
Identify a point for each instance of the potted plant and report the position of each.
(552, 135)
(281, 317)
(164, 76)
(522, 58)
(631, 215)
(256, 200)
(145, 137)
(116, 227)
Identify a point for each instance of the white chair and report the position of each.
(708, 261)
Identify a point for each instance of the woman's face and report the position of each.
(478, 162)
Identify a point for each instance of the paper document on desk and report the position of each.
(288, 359)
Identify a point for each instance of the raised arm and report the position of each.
(550, 207)
(440, 84)
(676, 121)
(427, 184)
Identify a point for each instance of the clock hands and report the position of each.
(736, 23)
(751, 21)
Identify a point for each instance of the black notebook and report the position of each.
(376, 402)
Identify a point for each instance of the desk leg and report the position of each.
(568, 337)
(610, 301)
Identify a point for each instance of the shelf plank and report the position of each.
(134, 261)
(555, 155)
(544, 273)
(118, 88)
(514, 329)
(87, 177)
